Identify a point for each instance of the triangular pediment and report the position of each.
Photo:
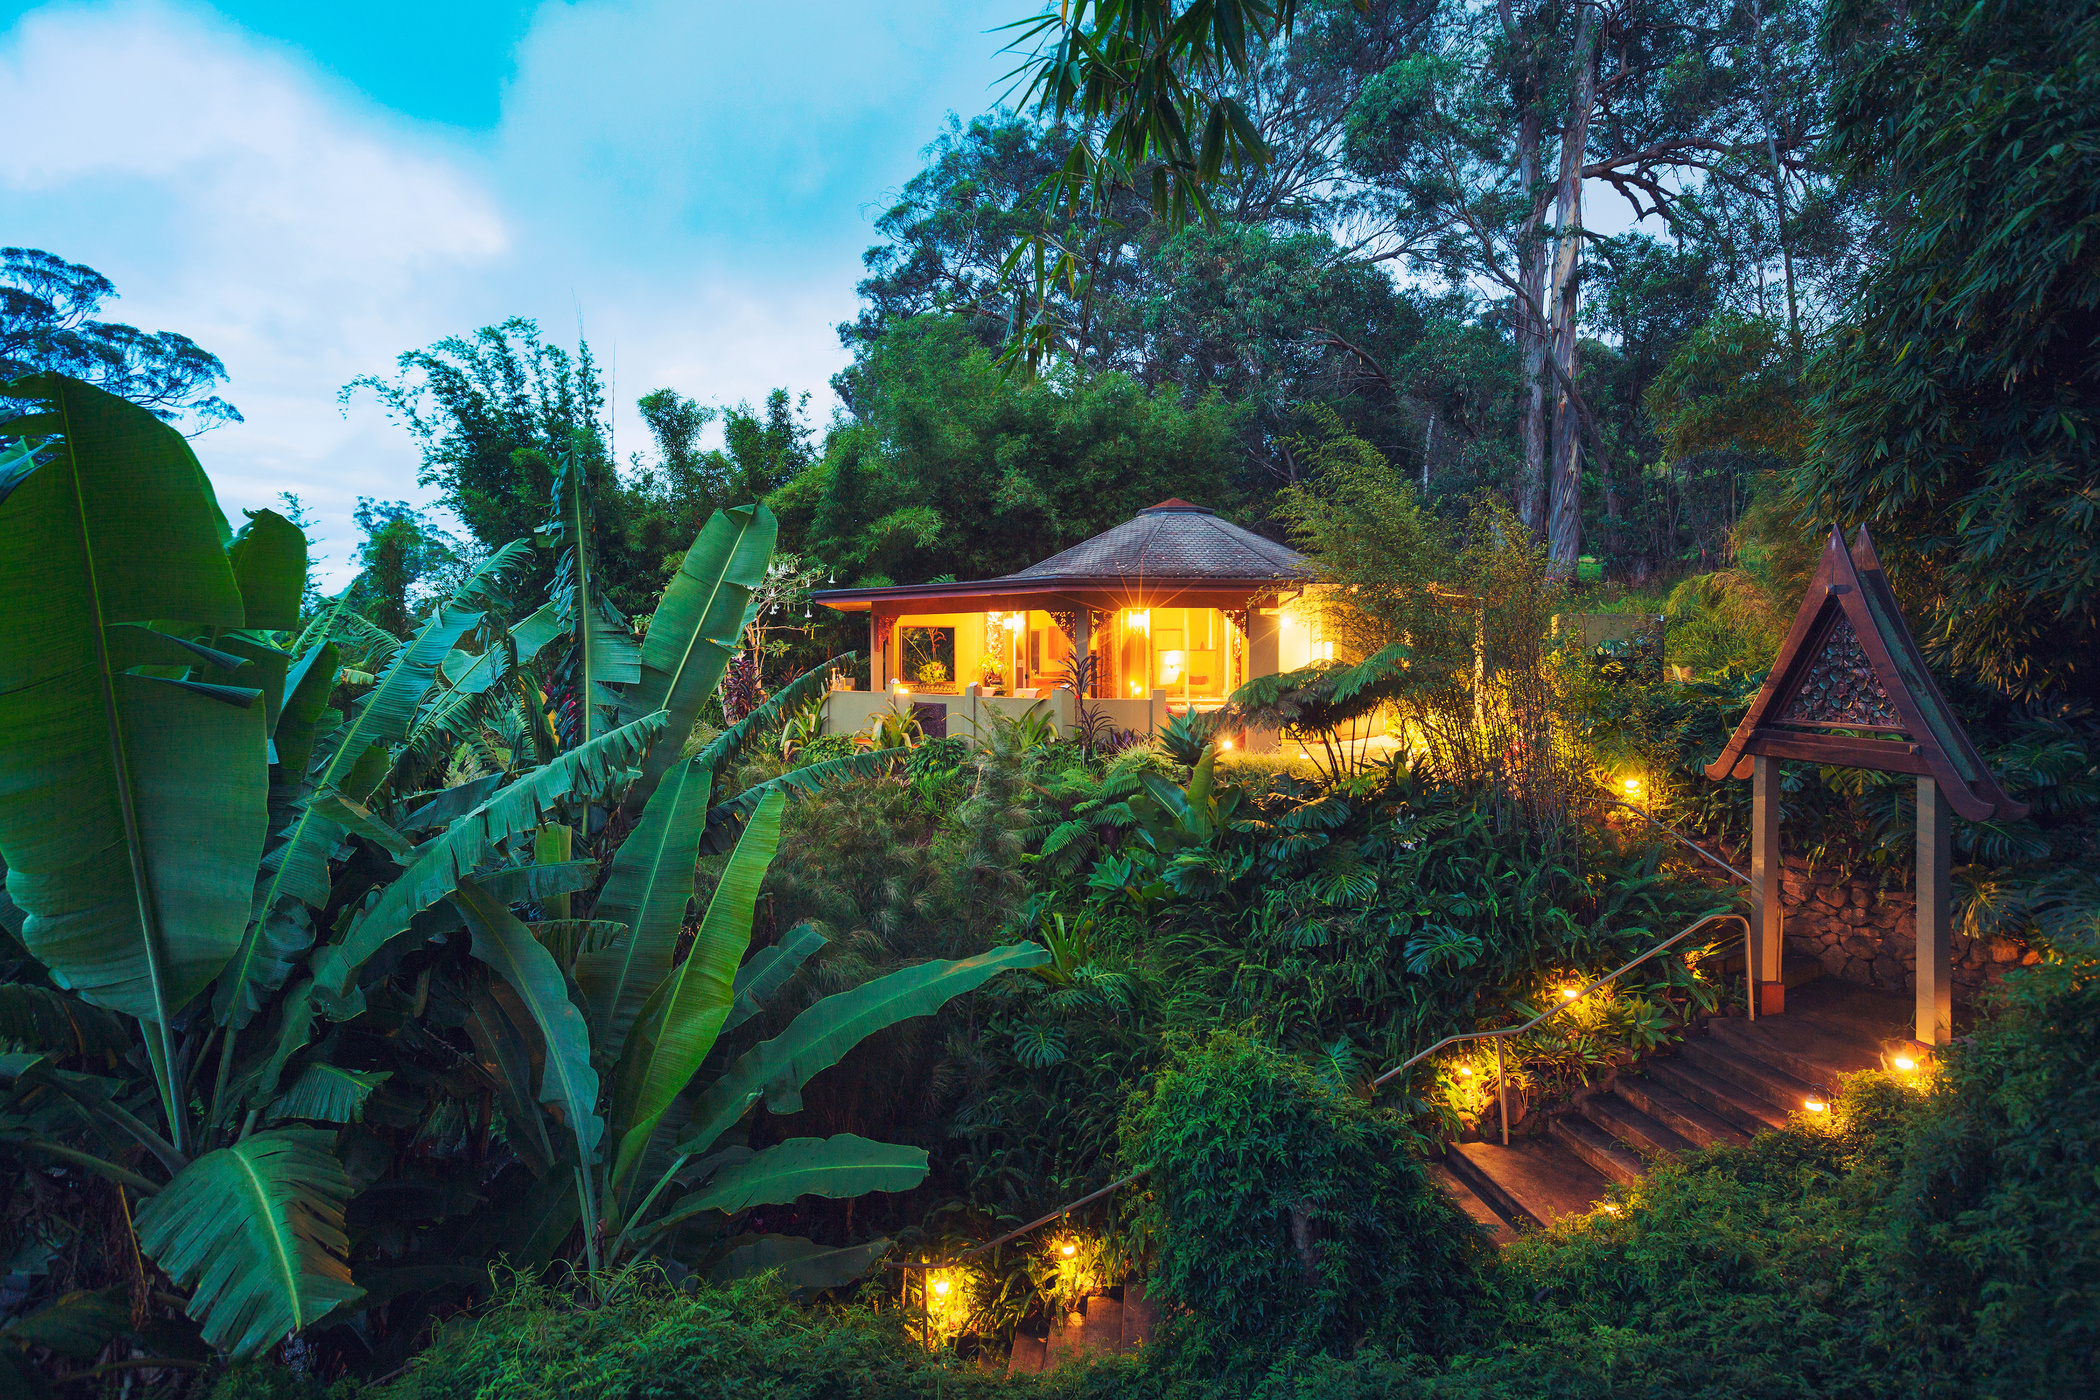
(1850, 688)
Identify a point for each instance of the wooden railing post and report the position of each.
(1935, 915)
(1767, 912)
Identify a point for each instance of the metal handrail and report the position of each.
(1037, 1223)
(1501, 1079)
(1501, 1088)
(1687, 842)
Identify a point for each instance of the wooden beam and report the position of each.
(1879, 755)
(1767, 909)
(1935, 925)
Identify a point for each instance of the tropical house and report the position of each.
(1176, 609)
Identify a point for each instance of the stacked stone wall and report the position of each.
(1865, 934)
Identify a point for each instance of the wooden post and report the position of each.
(1935, 915)
(878, 659)
(1082, 637)
(1767, 913)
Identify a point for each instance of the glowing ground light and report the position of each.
(1225, 744)
(940, 1288)
(1465, 1069)
(1633, 787)
(1068, 1249)
(1905, 1063)
(1569, 993)
(1818, 1101)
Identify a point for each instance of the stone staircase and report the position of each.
(1109, 1326)
(1738, 1079)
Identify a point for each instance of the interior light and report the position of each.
(1016, 621)
(1327, 651)
(1136, 688)
(1138, 620)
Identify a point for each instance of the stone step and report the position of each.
(1749, 1114)
(1626, 1121)
(1066, 1342)
(1469, 1201)
(1140, 1316)
(1612, 1159)
(1104, 1327)
(1757, 1077)
(1027, 1356)
(1533, 1181)
(1802, 1048)
(1682, 1114)
(1862, 1037)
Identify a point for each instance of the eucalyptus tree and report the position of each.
(1480, 147)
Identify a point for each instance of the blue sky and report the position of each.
(309, 190)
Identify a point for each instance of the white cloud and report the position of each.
(693, 184)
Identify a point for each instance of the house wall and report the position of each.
(965, 716)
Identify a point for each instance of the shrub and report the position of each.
(1287, 1213)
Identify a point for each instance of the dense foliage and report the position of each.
(1963, 398)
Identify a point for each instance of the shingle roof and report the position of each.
(1173, 540)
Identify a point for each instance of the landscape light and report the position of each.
(940, 1288)
(1570, 993)
(1068, 1249)
(1465, 1069)
(1225, 745)
(1633, 786)
(1905, 1063)
(1818, 1100)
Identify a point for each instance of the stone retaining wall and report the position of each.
(1864, 934)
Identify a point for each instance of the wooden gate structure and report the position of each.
(1850, 689)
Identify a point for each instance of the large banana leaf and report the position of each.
(41, 1019)
(256, 1232)
(387, 711)
(666, 1050)
(836, 1167)
(604, 652)
(269, 562)
(300, 721)
(768, 970)
(132, 807)
(441, 861)
(326, 1093)
(697, 626)
(820, 1037)
(566, 1077)
(648, 889)
(802, 1262)
(501, 1029)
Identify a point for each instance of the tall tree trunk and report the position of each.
(1531, 332)
(1564, 520)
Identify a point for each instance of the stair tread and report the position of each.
(1645, 1134)
(1690, 1118)
(1747, 1072)
(1612, 1158)
(1139, 1316)
(1104, 1327)
(1469, 1201)
(1717, 1094)
(1027, 1356)
(1066, 1342)
(1795, 1044)
(1540, 1177)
